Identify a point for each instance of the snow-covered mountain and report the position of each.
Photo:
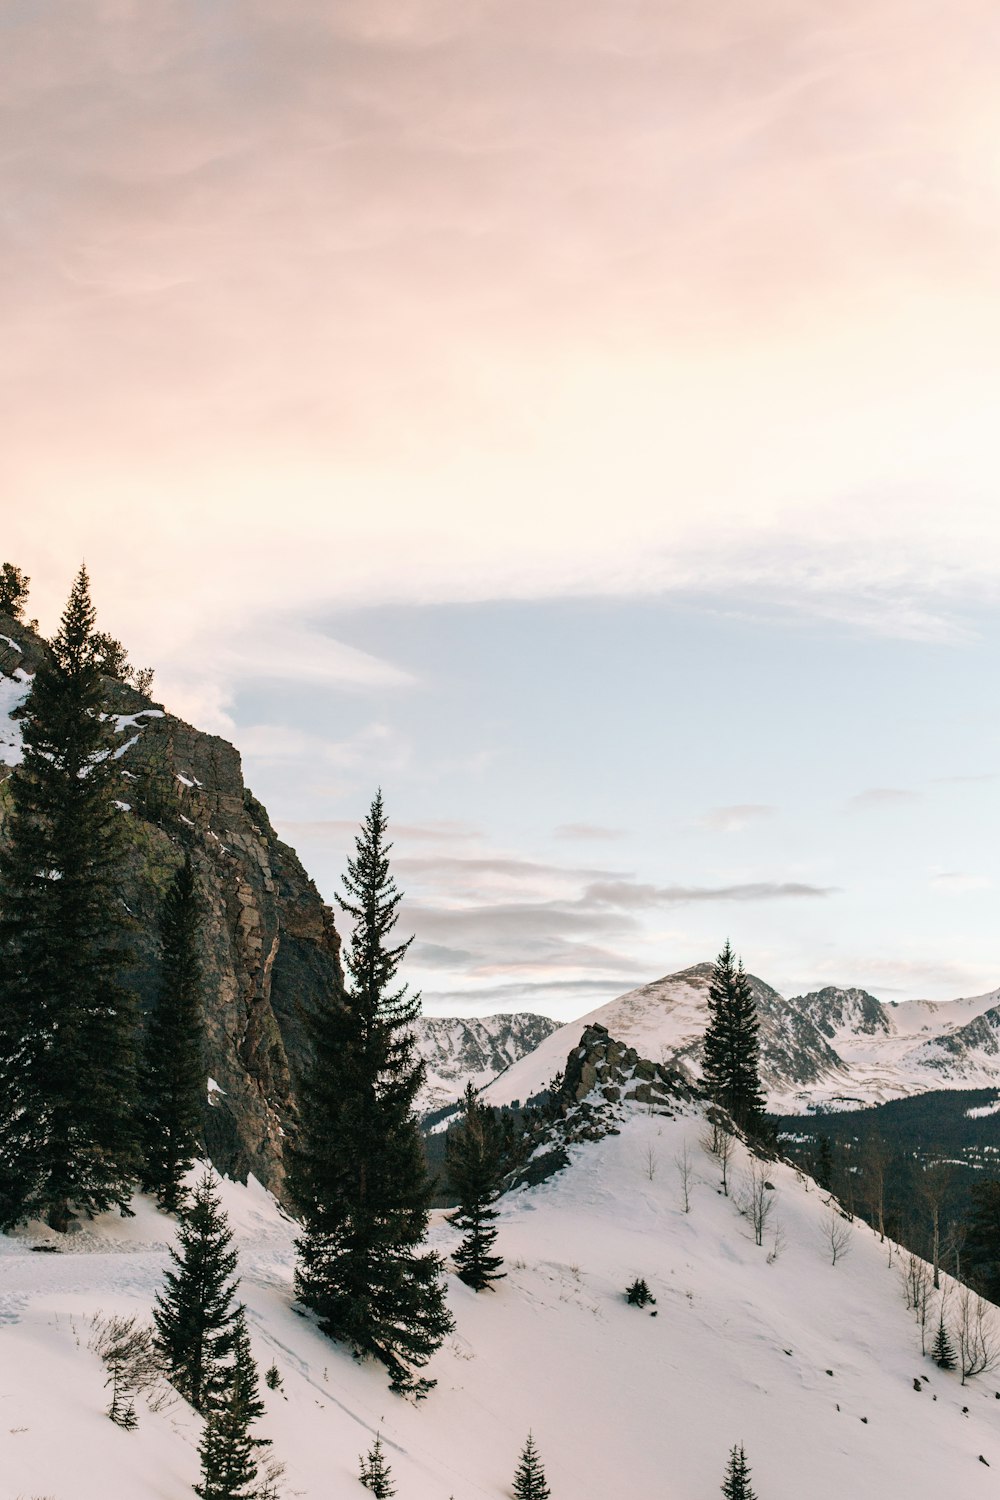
(460, 1051)
(890, 1050)
(815, 1366)
(666, 1020)
(832, 1048)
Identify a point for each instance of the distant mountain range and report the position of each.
(831, 1049)
(459, 1051)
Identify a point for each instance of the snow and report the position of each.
(13, 691)
(122, 722)
(981, 1111)
(12, 644)
(787, 1355)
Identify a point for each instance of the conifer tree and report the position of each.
(736, 1484)
(375, 1473)
(529, 1480)
(173, 1075)
(245, 1367)
(474, 1151)
(196, 1323)
(942, 1349)
(732, 1044)
(357, 1168)
(67, 1023)
(228, 1449)
(13, 591)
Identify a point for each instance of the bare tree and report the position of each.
(975, 1334)
(933, 1185)
(915, 1275)
(836, 1234)
(132, 1361)
(683, 1163)
(720, 1144)
(756, 1201)
(650, 1162)
(875, 1159)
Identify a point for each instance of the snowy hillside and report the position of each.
(460, 1051)
(811, 1364)
(831, 1048)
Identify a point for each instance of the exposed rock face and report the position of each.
(833, 1010)
(602, 1080)
(270, 950)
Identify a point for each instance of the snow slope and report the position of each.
(811, 1365)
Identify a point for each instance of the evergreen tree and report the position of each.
(529, 1480)
(823, 1165)
(942, 1349)
(736, 1484)
(13, 591)
(375, 1473)
(245, 1367)
(67, 1023)
(474, 1152)
(173, 1078)
(228, 1449)
(196, 1323)
(982, 1244)
(732, 1044)
(356, 1167)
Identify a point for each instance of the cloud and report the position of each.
(882, 796)
(588, 832)
(739, 816)
(630, 896)
(425, 341)
(955, 880)
(343, 830)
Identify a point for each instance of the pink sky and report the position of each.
(449, 299)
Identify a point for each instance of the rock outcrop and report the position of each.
(269, 945)
(603, 1080)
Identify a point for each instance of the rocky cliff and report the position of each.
(270, 949)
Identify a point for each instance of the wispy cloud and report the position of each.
(877, 797)
(737, 817)
(588, 832)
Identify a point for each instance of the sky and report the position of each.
(578, 418)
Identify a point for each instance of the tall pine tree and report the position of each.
(173, 1074)
(474, 1151)
(732, 1044)
(196, 1322)
(357, 1169)
(736, 1483)
(67, 1022)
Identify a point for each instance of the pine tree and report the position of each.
(732, 1044)
(982, 1245)
(228, 1449)
(474, 1151)
(529, 1480)
(357, 1168)
(67, 1023)
(942, 1349)
(13, 591)
(196, 1323)
(736, 1484)
(375, 1473)
(173, 1076)
(245, 1367)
